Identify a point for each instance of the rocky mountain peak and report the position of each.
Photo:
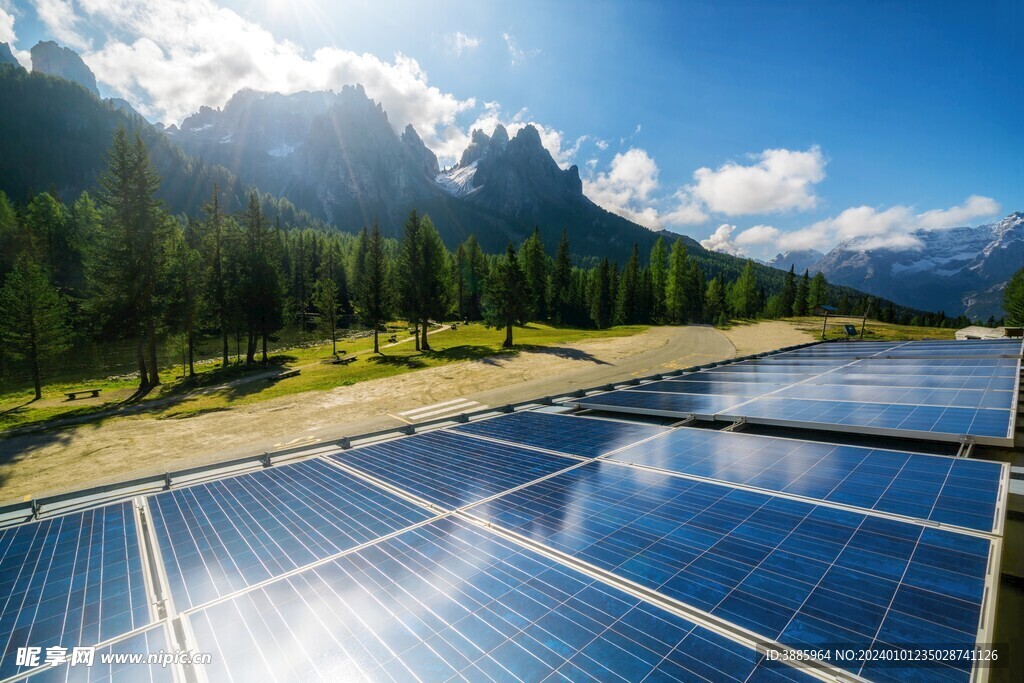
(479, 144)
(6, 56)
(418, 151)
(50, 58)
(499, 138)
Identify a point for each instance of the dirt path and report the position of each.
(83, 455)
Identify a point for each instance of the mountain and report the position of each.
(50, 58)
(960, 270)
(7, 57)
(800, 260)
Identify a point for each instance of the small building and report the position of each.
(981, 332)
(825, 310)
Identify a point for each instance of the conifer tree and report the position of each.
(677, 294)
(506, 295)
(534, 263)
(561, 281)
(788, 294)
(627, 300)
(800, 298)
(373, 292)
(659, 277)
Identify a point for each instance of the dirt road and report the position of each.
(83, 455)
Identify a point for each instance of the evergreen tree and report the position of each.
(12, 240)
(535, 269)
(561, 281)
(659, 279)
(216, 255)
(817, 292)
(435, 287)
(506, 295)
(474, 276)
(677, 295)
(788, 294)
(800, 299)
(695, 285)
(325, 298)
(33, 317)
(601, 300)
(127, 257)
(185, 295)
(714, 300)
(627, 301)
(261, 286)
(411, 272)
(1013, 299)
(372, 291)
(742, 294)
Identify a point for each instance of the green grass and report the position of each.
(204, 393)
(874, 330)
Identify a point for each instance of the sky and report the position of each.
(754, 127)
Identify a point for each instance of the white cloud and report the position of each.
(973, 207)
(866, 227)
(459, 42)
(61, 22)
(721, 240)
(7, 28)
(625, 189)
(686, 211)
(516, 53)
(553, 140)
(781, 180)
(757, 235)
(601, 144)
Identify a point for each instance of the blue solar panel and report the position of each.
(452, 470)
(920, 381)
(71, 580)
(153, 640)
(862, 393)
(800, 573)
(228, 534)
(925, 368)
(452, 601)
(979, 422)
(665, 404)
(580, 436)
(742, 377)
(947, 490)
(698, 387)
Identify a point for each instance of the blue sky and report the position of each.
(757, 126)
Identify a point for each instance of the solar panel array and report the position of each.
(538, 546)
(941, 391)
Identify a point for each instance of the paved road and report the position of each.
(689, 346)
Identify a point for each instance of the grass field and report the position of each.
(217, 388)
(874, 330)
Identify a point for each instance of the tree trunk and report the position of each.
(141, 358)
(263, 332)
(224, 334)
(507, 344)
(416, 334)
(376, 344)
(250, 348)
(425, 344)
(334, 337)
(191, 352)
(36, 373)
(154, 374)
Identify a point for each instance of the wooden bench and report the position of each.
(73, 395)
(393, 339)
(345, 361)
(284, 375)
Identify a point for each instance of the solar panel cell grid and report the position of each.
(71, 580)
(449, 600)
(228, 534)
(452, 470)
(947, 490)
(963, 398)
(800, 573)
(153, 640)
(583, 437)
(672, 404)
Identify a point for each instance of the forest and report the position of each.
(114, 264)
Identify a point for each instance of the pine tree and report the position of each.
(695, 285)
(411, 272)
(372, 291)
(261, 286)
(1013, 299)
(714, 300)
(817, 292)
(677, 294)
(561, 281)
(534, 263)
(185, 291)
(33, 317)
(600, 295)
(659, 277)
(742, 294)
(788, 294)
(126, 259)
(506, 295)
(325, 298)
(627, 301)
(800, 299)
(216, 252)
(434, 288)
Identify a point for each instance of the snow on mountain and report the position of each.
(800, 260)
(458, 180)
(960, 270)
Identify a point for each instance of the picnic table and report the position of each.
(73, 395)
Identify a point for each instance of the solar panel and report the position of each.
(696, 386)
(71, 580)
(946, 490)
(452, 470)
(921, 381)
(452, 601)
(803, 574)
(152, 640)
(225, 535)
(671, 405)
(863, 393)
(581, 436)
(932, 422)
